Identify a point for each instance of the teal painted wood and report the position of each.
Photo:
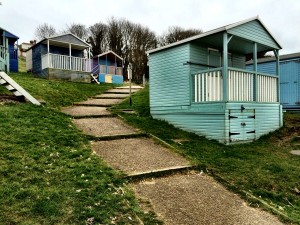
(212, 120)
(238, 60)
(198, 54)
(254, 31)
(225, 67)
(209, 125)
(169, 77)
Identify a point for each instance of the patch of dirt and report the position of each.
(289, 134)
(6, 99)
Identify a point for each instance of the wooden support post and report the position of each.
(70, 54)
(48, 55)
(276, 52)
(255, 83)
(225, 67)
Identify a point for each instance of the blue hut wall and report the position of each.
(289, 80)
(13, 57)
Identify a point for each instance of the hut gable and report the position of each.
(254, 30)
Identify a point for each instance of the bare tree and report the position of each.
(176, 33)
(143, 40)
(44, 31)
(127, 39)
(114, 35)
(98, 37)
(78, 30)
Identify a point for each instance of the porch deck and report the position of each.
(242, 85)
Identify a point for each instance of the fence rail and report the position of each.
(66, 62)
(208, 86)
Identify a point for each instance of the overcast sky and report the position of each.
(282, 17)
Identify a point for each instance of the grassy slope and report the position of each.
(264, 168)
(58, 93)
(48, 173)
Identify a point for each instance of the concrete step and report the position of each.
(196, 198)
(86, 111)
(121, 91)
(104, 127)
(112, 96)
(138, 156)
(99, 102)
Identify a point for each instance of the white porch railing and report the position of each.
(208, 86)
(65, 62)
(111, 70)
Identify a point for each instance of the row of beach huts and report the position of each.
(212, 84)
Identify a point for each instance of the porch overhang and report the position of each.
(236, 44)
(64, 44)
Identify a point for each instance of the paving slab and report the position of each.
(120, 90)
(100, 127)
(100, 102)
(197, 199)
(86, 111)
(112, 95)
(137, 155)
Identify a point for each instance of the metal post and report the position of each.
(129, 71)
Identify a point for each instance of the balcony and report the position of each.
(65, 62)
(242, 85)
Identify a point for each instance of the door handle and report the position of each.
(243, 124)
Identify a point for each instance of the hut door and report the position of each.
(241, 124)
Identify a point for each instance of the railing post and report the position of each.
(255, 86)
(225, 67)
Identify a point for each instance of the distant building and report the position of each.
(24, 47)
(109, 67)
(289, 77)
(61, 57)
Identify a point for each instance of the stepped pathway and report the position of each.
(177, 198)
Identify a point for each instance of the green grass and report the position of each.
(264, 168)
(58, 93)
(22, 63)
(48, 173)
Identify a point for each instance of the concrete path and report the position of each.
(187, 198)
